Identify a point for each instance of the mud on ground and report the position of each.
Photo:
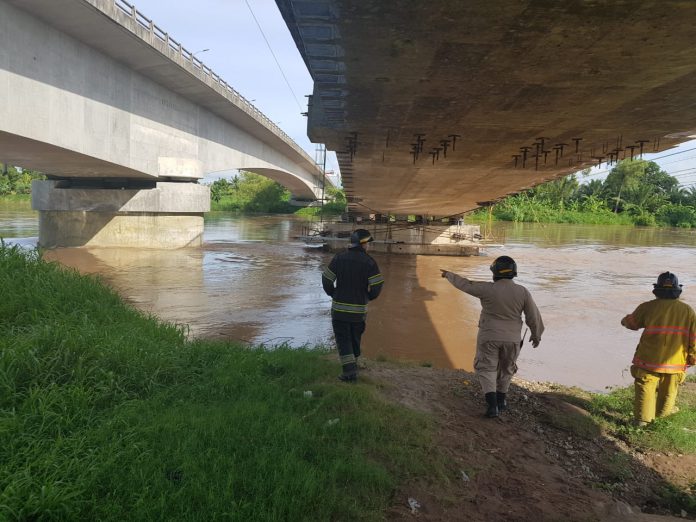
(543, 460)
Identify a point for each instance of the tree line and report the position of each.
(635, 192)
(250, 192)
(15, 180)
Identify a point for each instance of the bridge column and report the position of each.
(140, 214)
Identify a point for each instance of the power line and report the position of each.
(678, 160)
(273, 54)
(606, 171)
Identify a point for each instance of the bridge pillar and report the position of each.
(140, 214)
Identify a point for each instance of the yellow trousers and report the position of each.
(655, 393)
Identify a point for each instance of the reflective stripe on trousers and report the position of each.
(348, 336)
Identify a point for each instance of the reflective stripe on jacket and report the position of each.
(669, 334)
(352, 279)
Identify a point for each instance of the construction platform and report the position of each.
(431, 238)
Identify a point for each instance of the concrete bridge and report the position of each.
(439, 107)
(124, 121)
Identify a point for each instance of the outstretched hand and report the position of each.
(443, 273)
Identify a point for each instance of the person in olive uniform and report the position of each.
(352, 279)
(499, 342)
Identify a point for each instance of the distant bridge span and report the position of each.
(99, 98)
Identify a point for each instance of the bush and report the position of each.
(645, 220)
(676, 216)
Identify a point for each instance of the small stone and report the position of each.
(465, 477)
(413, 504)
(620, 508)
(308, 394)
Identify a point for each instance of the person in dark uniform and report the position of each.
(352, 279)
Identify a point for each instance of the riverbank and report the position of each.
(109, 414)
(558, 454)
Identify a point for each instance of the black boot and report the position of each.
(350, 372)
(502, 403)
(491, 401)
(348, 377)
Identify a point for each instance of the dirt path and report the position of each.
(522, 466)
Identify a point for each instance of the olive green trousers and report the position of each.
(655, 393)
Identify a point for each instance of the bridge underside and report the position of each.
(439, 107)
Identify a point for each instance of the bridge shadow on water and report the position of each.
(420, 316)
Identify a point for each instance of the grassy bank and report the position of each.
(108, 414)
(527, 209)
(12, 198)
(610, 416)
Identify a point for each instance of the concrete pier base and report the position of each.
(158, 215)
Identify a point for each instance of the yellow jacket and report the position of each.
(668, 336)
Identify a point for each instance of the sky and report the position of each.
(238, 52)
(679, 162)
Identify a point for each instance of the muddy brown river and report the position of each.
(252, 282)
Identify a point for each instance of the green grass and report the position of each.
(109, 414)
(11, 198)
(535, 212)
(612, 414)
(329, 209)
(675, 433)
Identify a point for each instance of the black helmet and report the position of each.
(504, 267)
(359, 237)
(667, 286)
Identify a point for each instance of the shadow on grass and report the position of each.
(617, 454)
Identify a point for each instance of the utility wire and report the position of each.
(273, 54)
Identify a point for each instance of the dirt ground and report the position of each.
(543, 460)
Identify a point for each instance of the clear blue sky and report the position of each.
(240, 55)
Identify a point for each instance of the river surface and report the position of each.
(252, 282)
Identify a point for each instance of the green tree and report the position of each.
(690, 196)
(623, 179)
(640, 183)
(220, 188)
(594, 187)
(258, 193)
(557, 192)
(16, 180)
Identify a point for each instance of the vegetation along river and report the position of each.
(251, 281)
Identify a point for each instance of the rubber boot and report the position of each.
(492, 402)
(502, 403)
(350, 372)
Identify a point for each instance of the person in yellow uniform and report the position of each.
(665, 349)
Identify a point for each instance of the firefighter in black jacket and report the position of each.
(351, 279)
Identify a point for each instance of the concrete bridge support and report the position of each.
(143, 215)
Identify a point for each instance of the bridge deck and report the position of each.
(514, 82)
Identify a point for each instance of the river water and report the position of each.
(252, 282)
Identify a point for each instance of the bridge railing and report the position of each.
(239, 100)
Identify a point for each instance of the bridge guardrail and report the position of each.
(157, 32)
